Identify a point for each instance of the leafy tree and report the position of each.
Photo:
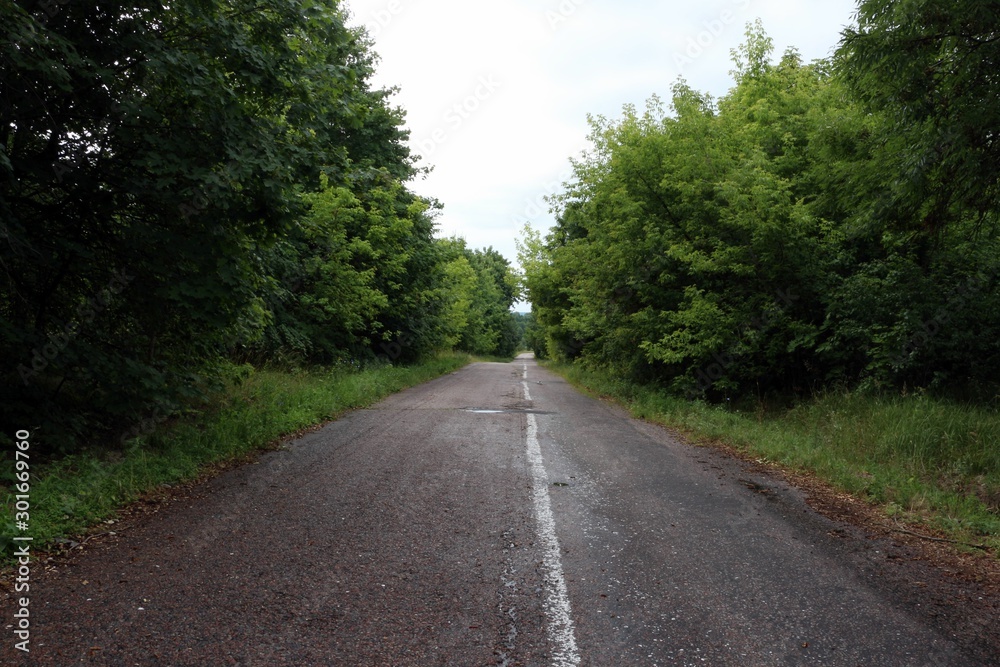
(929, 70)
(734, 246)
(532, 334)
(919, 294)
(491, 328)
(548, 292)
(326, 300)
(151, 156)
(459, 290)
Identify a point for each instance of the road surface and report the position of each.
(496, 516)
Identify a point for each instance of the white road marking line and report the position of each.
(557, 608)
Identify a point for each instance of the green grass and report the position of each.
(71, 495)
(923, 460)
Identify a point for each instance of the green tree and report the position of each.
(459, 291)
(151, 156)
(491, 328)
(928, 69)
(737, 246)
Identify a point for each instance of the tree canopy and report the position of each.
(813, 227)
(189, 185)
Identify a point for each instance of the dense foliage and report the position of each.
(823, 223)
(191, 184)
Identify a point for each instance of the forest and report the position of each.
(823, 226)
(187, 188)
(257, 407)
(194, 192)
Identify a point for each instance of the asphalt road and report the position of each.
(494, 516)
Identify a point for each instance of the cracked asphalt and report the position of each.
(408, 534)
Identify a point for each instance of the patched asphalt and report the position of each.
(406, 534)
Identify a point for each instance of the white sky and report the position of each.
(497, 93)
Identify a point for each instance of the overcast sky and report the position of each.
(497, 93)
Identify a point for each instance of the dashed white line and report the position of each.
(557, 607)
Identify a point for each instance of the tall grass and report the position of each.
(922, 459)
(70, 495)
